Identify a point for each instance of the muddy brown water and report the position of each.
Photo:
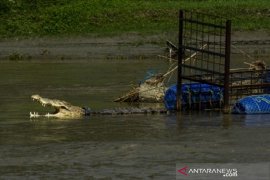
(111, 147)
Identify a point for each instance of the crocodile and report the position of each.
(65, 110)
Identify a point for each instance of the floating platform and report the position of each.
(194, 96)
(255, 104)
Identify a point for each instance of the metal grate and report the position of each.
(206, 39)
(248, 82)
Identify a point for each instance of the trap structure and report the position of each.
(208, 75)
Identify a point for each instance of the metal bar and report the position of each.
(200, 69)
(204, 23)
(205, 51)
(253, 86)
(194, 30)
(180, 59)
(245, 71)
(201, 81)
(227, 67)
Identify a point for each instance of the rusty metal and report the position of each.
(180, 60)
(227, 66)
(248, 82)
(211, 64)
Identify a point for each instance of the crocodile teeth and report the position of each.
(34, 114)
(48, 115)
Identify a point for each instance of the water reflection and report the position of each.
(219, 119)
(200, 119)
(121, 147)
(253, 120)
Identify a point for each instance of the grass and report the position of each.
(37, 18)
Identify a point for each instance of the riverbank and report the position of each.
(64, 18)
(125, 46)
(70, 48)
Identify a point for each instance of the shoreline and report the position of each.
(125, 46)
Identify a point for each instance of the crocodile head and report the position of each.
(63, 109)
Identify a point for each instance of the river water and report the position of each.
(111, 147)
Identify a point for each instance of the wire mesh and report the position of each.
(206, 40)
(248, 82)
(204, 35)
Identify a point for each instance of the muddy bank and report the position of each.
(128, 46)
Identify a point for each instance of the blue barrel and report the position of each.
(256, 104)
(193, 93)
(266, 79)
(170, 98)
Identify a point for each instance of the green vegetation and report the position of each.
(107, 17)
